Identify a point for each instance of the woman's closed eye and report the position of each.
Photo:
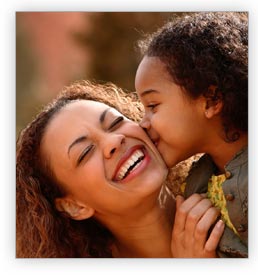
(116, 123)
(85, 153)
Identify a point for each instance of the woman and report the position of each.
(89, 183)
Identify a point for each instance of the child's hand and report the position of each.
(194, 217)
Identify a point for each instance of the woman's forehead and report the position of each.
(89, 105)
(77, 118)
(83, 112)
(81, 104)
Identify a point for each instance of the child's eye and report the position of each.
(152, 106)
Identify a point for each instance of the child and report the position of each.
(193, 83)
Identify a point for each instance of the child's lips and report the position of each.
(155, 142)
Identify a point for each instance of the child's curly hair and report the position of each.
(206, 53)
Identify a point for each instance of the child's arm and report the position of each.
(193, 220)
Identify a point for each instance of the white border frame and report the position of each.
(9, 264)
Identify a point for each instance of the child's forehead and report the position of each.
(151, 75)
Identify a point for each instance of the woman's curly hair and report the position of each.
(207, 54)
(42, 231)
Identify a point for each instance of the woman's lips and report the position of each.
(132, 162)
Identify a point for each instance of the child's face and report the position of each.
(175, 122)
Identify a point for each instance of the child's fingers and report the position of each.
(215, 236)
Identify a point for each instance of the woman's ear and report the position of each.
(75, 210)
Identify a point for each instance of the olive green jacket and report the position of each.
(235, 189)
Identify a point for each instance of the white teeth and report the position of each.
(124, 168)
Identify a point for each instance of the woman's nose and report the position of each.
(112, 143)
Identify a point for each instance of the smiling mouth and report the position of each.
(129, 165)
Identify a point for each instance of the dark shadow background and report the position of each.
(54, 49)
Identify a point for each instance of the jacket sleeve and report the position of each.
(197, 180)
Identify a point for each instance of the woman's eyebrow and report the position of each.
(83, 138)
(78, 140)
(102, 116)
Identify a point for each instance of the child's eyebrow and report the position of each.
(147, 92)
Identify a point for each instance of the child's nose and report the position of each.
(145, 123)
(112, 143)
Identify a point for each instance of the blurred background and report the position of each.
(54, 49)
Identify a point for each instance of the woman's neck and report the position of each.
(149, 237)
(144, 231)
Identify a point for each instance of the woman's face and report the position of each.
(101, 158)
